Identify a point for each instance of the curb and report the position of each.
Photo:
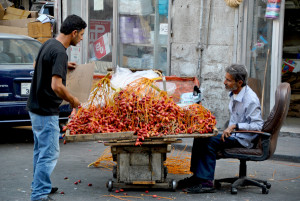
(289, 134)
(277, 157)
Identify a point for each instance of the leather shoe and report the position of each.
(53, 190)
(203, 187)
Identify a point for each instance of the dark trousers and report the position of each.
(204, 152)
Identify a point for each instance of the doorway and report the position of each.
(291, 61)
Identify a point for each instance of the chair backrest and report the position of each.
(278, 114)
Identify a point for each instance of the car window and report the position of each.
(48, 11)
(17, 51)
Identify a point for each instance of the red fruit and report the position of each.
(154, 196)
(121, 190)
(79, 181)
(62, 192)
(117, 191)
(146, 191)
(66, 178)
(90, 184)
(76, 182)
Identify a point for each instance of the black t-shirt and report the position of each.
(51, 60)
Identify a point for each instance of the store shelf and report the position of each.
(144, 45)
(141, 23)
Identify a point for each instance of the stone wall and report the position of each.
(204, 51)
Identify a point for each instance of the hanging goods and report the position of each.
(233, 3)
(273, 9)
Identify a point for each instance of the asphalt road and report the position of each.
(16, 146)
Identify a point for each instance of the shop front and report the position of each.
(160, 35)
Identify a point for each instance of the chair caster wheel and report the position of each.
(265, 191)
(114, 171)
(233, 191)
(268, 185)
(217, 185)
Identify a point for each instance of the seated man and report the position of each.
(245, 114)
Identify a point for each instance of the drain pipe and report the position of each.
(203, 38)
(199, 47)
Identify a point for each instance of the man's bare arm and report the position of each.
(62, 92)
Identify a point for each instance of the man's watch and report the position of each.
(237, 127)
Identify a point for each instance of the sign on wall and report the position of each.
(101, 46)
(98, 28)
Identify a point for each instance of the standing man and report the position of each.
(46, 94)
(245, 114)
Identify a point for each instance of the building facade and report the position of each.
(204, 37)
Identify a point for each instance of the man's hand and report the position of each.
(72, 65)
(74, 103)
(227, 132)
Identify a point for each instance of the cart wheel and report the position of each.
(233, 190)
(165, 172)
(114, 171)
(173, 185)
(109, 185)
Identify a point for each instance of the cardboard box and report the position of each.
(14, 30)
(14, 13)
(17, 23)
(79, 82)
(34, 14)
(37, 30)
(2, 12)
(42, 39)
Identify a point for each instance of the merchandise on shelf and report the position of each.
(163, 6)
(127, 24)
(135, 7)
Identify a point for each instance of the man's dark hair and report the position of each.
(238, 72)
(71, 23)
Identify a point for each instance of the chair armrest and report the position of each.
(264, 134)
(264, 144)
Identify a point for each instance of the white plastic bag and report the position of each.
(123, 76)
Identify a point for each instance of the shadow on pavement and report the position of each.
(12, 135)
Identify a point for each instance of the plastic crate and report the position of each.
(183, 84)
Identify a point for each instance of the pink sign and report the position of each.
(98, 28)
(101, 46)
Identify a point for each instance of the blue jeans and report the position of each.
(45, 153)
(204, 152)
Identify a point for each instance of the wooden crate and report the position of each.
(130, 138)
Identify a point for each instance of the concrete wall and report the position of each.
(204, 50)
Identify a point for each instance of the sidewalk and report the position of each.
(291, 127)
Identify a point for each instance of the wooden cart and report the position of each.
(138, 166)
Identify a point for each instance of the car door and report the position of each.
(16, 71)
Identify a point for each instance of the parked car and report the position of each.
(43, 7)
(47, 9)
(17, 54)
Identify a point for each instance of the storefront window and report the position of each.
(258, 55)
(142, 35)
(100, 30)
(71, 7)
